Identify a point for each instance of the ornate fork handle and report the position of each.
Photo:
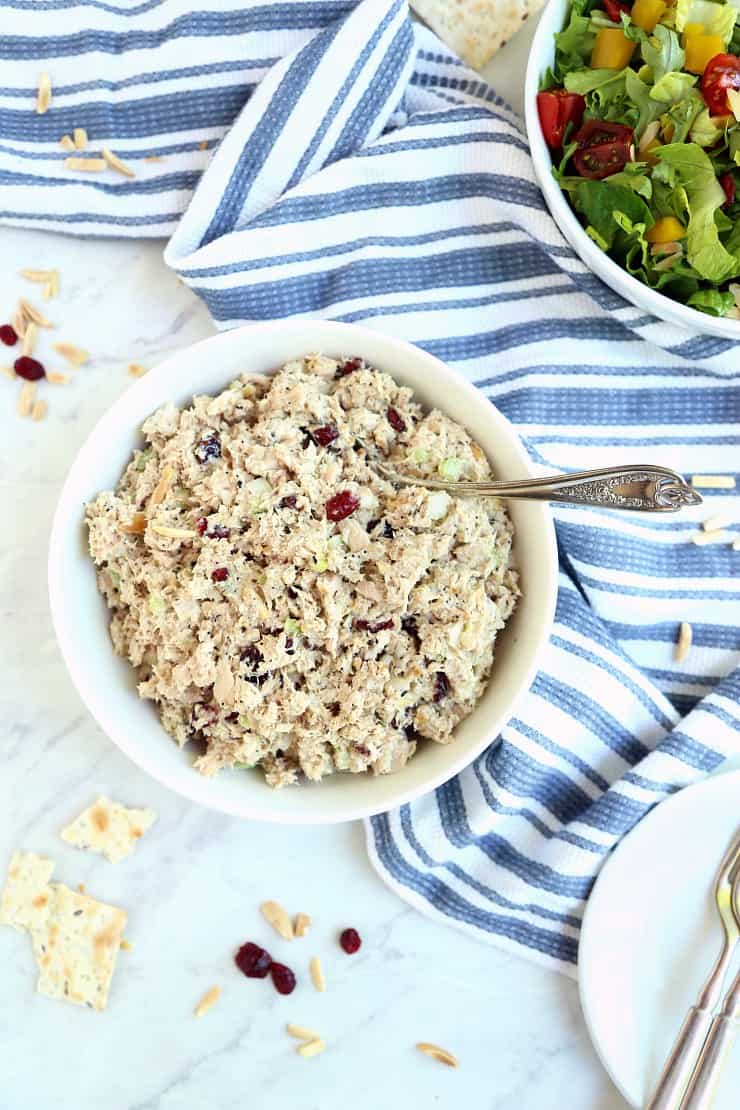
(652, 489)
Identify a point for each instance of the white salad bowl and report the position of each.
(106, 682)
(542, 55)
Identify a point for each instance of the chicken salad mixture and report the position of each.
(284, 605)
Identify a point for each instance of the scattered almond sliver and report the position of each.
(683, 643)
(39, 276)
(30, 312)
(174, 533)
(74, 355)
(43, 97)
(162, 488)
(302, 924)
(311, 1048)
(137, 371)
(437, 1053)
(126, 945)
(301, 1033)
(208, 1001)
(67, 142)
(87, 165)
(317, 974)
(56, 378)
(29, 339)
(51, 288)
(115, 163)
(716, 523)
(26, 398)
(275, 915)
(39, 410)
(136, 526)
(9, 372)
(713, 481)
(154, 158)
(80, 138)
(701, 539)
(19, 323)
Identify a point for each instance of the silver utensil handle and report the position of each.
(705, 1080)
(678, 1067)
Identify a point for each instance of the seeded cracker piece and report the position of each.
(109, 828)
(76, 949)
(24, 903)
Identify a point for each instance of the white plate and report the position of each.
(651, 934)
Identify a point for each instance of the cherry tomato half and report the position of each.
(727, 181)
(603, 148)
(614, 9)
(557, 108)
(722, 73)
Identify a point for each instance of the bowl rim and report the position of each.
(62, 534)
(620, 280)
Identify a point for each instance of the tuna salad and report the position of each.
(286, 607)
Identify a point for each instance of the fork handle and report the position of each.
(706, 1078)
(680, 1064)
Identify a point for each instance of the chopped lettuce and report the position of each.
(705, 131)
(712, 302)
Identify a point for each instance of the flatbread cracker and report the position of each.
(24, 903)
(109, 828)
(475, 29)
(76, 949)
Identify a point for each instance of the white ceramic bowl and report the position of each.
(106, 682)
(541, 55)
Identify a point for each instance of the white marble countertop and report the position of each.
(194, 885)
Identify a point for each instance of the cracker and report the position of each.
(77, 947)
(24, 903)
(109, 828)
(475, 29)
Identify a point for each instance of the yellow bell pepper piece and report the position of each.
(667, 229)
(647, 13)
(693, 29)
(612, 49)
(648, 154)
(700, 49)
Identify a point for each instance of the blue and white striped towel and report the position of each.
(356, 170)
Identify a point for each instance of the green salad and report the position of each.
(640, 111)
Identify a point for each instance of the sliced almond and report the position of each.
(154, 158)
(56, 378)
(116, 163)
(162, 487)
(311, 1048)
(137, 371)
(39, 276)
(174, 533)
(717, 522)
(275, 915)
(80, 138)
(301, 1033)
(683, 643)
(30, 338)
(317, 974)
(86, 165)
(67, 142)
(34, 314)
(208, 1001)
(39, 410)
(136, 525)
(74, 355)
(43, 97)
(701, 539)
(8, 372)
(713, 481)
(19, 322)
(301, 925)
(26, 398)
(127, 945)
(437, 1053)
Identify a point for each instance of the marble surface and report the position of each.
(193, 887)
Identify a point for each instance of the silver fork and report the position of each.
(649, 489)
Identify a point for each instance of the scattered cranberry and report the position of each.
(325, 435)
(283, 978)
(395, 420)
(348, 367)
(341, 505)
(201, 524)
(253, 961)
(208, 448)
(727, 181)
(220, 574)
(410, 627)
(373, 626)
(289, 502)
(29, 368)
(441, 686)
(8, 335)
(251, 655)
(350, 941)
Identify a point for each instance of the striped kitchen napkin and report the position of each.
(354, 169)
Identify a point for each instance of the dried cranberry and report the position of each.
(350, 941)
(341, 505)
(219, 532)
(372, 524)
(409, 626)
(208, 448)
(220, 574)
(253, 961)
(374, 626)
(441, 686)
(325, 435)
(283, 978)
(29, 368)
(412, 735)
(201, 524)
(289, 502)
(395, 420)
(335, 709)
(348, 367)
(8, 335)
(251, 655)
